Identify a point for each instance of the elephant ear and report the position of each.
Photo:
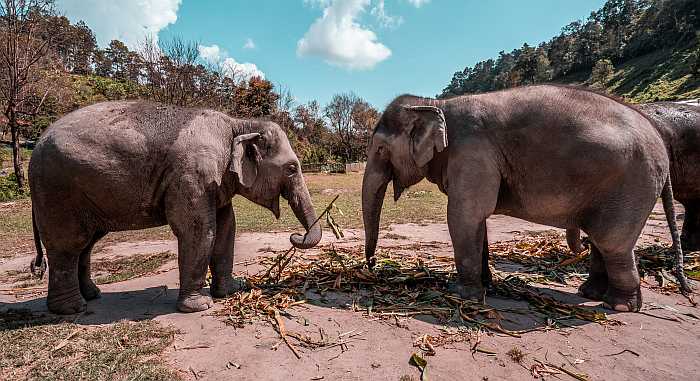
(429, 133)
(244, 158)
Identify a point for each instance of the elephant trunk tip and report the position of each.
(308, 240)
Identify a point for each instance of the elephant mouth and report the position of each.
(398, 188)
(275, 207)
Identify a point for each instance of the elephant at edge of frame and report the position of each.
(552, 155)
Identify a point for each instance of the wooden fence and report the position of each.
(333, 168)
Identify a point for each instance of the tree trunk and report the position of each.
(16, 152)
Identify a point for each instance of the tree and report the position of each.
(364, 118)
(118, 55)
(77, 46)
(103, 65)
(339, 114)
(601, 72)
(351, 120)
(24, 56)
(171, 71)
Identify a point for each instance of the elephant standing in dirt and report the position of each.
(679, 126)
(133, 165)
(552, 155)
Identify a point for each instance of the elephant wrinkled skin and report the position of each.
(552, 155)
(679, 126)
(119, 166)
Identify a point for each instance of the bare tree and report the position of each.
(23, 52)
(339, 114)
(171, 69)
(351, 119)
(364, 118)
(179, 59)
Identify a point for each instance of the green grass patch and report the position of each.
(9, 190)
(38, 348)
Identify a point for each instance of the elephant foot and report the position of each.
(226, 287)
(473, 293)
(194, 301)
(623, 301)
(67, 302)
(594, 288)
(89, 290)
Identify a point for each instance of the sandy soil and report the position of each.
(662, 346)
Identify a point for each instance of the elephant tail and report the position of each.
(38, 265)
(669, 210)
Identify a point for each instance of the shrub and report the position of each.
(9, 189)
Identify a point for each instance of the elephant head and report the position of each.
(403, 144)
(266, 167)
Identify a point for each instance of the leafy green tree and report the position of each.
(601, 73)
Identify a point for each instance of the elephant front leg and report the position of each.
(194, 224)
(221, 263)
(471, 259)
(472, 197)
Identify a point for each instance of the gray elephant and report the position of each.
(679, 126)
(133, 165)
(552, 155)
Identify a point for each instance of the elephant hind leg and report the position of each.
(596, 285)
(616, 248)
(690, 237)
(64, 295)
(88, 288)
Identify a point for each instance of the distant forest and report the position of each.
(644, 50)
(50, 66)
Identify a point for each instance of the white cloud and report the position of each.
(340, 40)
(384, 19)
(211, 53)
(249, 44)
(418, 3)
(214, 55)
(129, 21)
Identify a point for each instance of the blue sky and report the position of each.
(316, 48)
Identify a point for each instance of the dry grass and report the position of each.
(36, 350)
(16, 228)
(407, 281)
(516, 354)
(104, 271)
(114, 270)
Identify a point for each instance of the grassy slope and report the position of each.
(657, 76)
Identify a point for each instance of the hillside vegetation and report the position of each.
(641, 50)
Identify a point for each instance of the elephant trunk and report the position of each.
(374, 186)
(300, 202)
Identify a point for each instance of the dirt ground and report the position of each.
(663, 343)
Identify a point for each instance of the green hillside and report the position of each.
(641, 50)
(662, 75)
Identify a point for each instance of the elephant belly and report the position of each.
(552, 210)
